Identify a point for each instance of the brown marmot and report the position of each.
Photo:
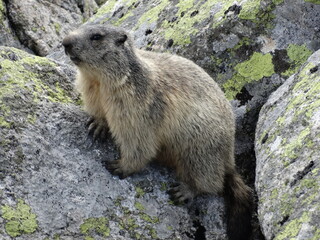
(164, 107)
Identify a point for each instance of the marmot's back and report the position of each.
(196, 104)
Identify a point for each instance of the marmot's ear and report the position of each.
(121, 39)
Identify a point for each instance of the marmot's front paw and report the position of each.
(97, 128)
(180, 193)
(114, 168)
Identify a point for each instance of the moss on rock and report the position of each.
(298, 54)
(251, 10)
(313, 1)
(2, 11)
(19, 220)
(292, 228)
(27, 76)
(95, 226)
(258, 66)
(152, 14)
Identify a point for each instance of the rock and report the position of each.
(287, 148)
(41, 25)
(7, 35)
(53, 183)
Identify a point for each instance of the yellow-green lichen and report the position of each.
(118, 200)
(315, 171)
(139, 206)
(316, 235)
(153, 233)
(152, 14)
(111, 6)
(4, 123)
(287, 203)
(19, 220)
(106, 8)
(298, 54)
(56, 237)
(2, 11)
(245, 41)
(122, 19)
(184, 27)
(313, 1)
(128, 3)
(277, 1)
(1, 6)
(292, 228)
(31, 118)
(281, 120)
(305, 100)
(274, 194)
(95, 226)
(139, 192)
(24, 72)
(291, 149)
(164, 186)
(149, 219)
(309, 183)
(184, 6)
(311, 186)
(57, 27)
(250, 11)
(88, 238)
(130, 224)
(258, 66)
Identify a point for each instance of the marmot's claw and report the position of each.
(93, 128)
(180, 194)
(90, 120)
(114, 168)
(97, 129)
(97, 133)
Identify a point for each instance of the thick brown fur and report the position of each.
(164, 107)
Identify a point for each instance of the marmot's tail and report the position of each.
(238, 201)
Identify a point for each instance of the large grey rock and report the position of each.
(53, 183)
(41, 25)
(288, 149)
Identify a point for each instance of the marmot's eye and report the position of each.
(96, 36)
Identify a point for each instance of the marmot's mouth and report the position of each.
(75, 59)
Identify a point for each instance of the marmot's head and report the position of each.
(101, 48)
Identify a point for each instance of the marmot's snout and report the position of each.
(68, 43)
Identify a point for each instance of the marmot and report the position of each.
(165, 107)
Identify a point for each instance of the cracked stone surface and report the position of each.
(287, 149)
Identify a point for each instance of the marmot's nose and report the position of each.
(67, 43)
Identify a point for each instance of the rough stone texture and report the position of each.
(7, 35)
(52, 177)
(40, 25)
(249, 47)
(287, 148)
